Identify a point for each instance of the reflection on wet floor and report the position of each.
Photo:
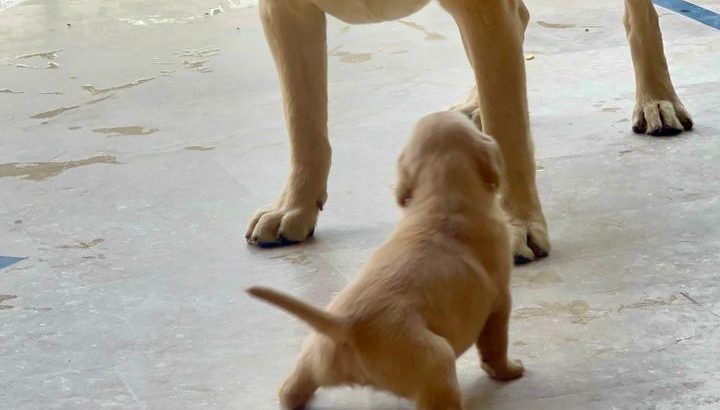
(83, 245)
(38, 171)
(348, 57)
(429, 35)
(95, 91)
(555, 25)
(127, 130)
(3, 298)
(201, 57)
(58, 111)
(199, 148)
(50, 58)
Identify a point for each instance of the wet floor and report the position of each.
(137, 140)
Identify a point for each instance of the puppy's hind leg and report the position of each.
(295, 31)
(299, 388)
(438, 388)
(493, 343)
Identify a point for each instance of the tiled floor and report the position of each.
(132, 156)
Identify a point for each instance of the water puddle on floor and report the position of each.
(50, 58)
(39, 171)
(83, 245)
(429, 35)
(199, 148)
(526, 278)
(128, 130)
(555, 25)
(649, 303)
(348, 57)
(58, 111)
(578, 310)
(95, 91)
(199, 59)
(3, 298)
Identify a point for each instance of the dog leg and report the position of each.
(492, 32)
(658, 110)
(470, 106)
(295, 31)
(299, 388)
(492, 346)
(439, 389)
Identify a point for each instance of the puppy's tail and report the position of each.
(332, 326)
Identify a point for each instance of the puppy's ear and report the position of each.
(490, 163)
(404, 187)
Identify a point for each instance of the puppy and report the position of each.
(439, 285)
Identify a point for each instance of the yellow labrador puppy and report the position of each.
(439, 285)
(492, 32)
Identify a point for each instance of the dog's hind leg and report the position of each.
(295, 31)
(658, 110)
(492, 32)
(298, 389)
(493, 344)
(438, 388)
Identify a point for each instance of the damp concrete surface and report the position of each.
(137, 138)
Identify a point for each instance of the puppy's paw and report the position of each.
(511, 369)
(661, 117)
(530, 240)
(285, 222)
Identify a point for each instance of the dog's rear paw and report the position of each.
(283, 223)
(512, 369)
(661, 118)
(530, 241)
(470, 107)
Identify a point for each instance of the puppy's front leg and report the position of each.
(658, 110)
(493, 343)
(492, 32)
(295, 31)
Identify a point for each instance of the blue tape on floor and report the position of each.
(6, 261)
(687, 9)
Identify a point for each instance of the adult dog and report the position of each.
(439, 285)
(492, 33)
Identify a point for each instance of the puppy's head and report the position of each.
(447, 149)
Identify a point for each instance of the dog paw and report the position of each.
(661, 117)
(511, 369)
(530, 240)
(469, 107)
(284, 222)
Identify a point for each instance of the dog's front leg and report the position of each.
(295, 32)
(658, 110)
(492, 32)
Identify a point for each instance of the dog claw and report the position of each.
(520, 260)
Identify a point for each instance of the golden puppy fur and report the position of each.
(439, 285)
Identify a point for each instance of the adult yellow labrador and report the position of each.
(492, 33)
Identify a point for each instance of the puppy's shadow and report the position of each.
(483, 392)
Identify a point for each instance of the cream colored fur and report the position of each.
(438, 286)
(492, 32)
